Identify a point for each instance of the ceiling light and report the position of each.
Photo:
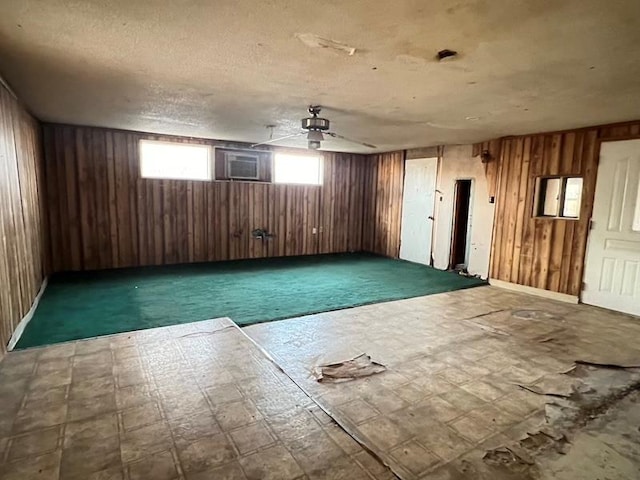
(314, 144)
(315, 135)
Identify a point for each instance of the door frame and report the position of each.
(452, 232)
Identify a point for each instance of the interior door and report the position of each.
(417, 210)
(612, 268)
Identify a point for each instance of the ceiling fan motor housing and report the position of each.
(315, 123)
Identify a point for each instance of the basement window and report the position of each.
(558, 197)
(174, 161)
(300, 169)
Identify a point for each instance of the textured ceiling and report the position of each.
(224, 69)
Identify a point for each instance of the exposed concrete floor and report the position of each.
(453, 391)
(194, 401)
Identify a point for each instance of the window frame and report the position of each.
(207, 147)
(320, 158)
(540, 197)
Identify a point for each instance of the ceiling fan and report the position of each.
(315, 128)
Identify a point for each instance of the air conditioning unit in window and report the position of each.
(242, 165)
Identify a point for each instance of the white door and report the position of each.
(612, 268)
(417, 209)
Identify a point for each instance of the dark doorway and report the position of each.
(461, 202)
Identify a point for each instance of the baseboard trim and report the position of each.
(561, 297)
(17, 333)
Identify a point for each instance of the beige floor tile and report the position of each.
(79, 459)
(159, 466)
(145, 441)
(473, 428)
(315, 452)
(443, 441)
(141, 415)
(134, 395)
(294, 424)
(374, 467)
(131, 409)
(230, 471)
(252, 437)
(34, 443)
(92, 430)
(205, 453)
(358, 411)
(39, 415)
(184, 404)
(384, 432)
(50, 380)
(273, 463)
(385, 401)
(44, 466)
(224, 393)
(484, 390)
(462, 400)
(236, 414)
(190, 428)
(414, 457)
(81, 408)
(91, 388)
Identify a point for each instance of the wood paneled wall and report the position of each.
(541, 252)
(383, 203)
(21, 250)
(103, 215)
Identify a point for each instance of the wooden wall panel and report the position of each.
(541, 252)
(382, 213)
(21, 250)
(103, 215)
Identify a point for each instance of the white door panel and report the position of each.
(417, 208)
(612, 266)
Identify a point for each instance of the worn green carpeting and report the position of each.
(84, 305)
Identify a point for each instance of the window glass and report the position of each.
(551, 196)
(572, 197)
(179, 161)
(558, 197)
(303, 169)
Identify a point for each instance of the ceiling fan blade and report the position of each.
(278, 139)
(335, 135)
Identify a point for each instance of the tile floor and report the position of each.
(194, 401)
(454, 361)
(202, 400)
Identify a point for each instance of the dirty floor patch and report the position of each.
(197, 400)
(465, 377)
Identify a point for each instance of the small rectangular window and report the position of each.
(176, 161)
(558, 197)
(302, 169)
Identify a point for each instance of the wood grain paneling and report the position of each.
(103, 215)
(542, 252)
(384, 181)
(21, 250)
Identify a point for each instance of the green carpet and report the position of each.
(88, 304)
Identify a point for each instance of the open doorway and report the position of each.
(459, 258)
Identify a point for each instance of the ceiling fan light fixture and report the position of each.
(314, 144)
(315, 135)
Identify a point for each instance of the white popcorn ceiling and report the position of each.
(226, 68)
